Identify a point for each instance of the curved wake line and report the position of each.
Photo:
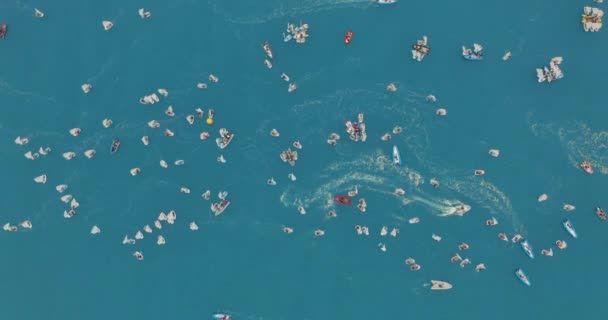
(579, 141)
(282, 10)
(375, 173)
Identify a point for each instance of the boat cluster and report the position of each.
(356, 130)
(225, 138)
(333, 138)
(268, 51)
(153, 98)
(219, 207)
(474, 54)
(592, 19)
(289, 156)
(551, 73)
(420, 49)
(299, 34)
(11, 228)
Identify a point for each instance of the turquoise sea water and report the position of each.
(241, 262)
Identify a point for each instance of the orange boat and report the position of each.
(3, 30)
(348, 37)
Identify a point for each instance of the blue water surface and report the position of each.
(240, 262)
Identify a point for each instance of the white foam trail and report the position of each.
(287, 8)
(579, 141)
(486, 195)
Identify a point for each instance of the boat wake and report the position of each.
(579, 141)
(485, 194)
(282, 9)
(369, 173)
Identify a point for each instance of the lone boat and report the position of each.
(586, 166)
(267, 49)
(522, 276)
(3, 29)
(345, 200)
(525, 245)
(440, 285)
(348, 37)
(600, 213)
(218, 208)
(385, 1)
(473, 55)
(221, 316)
(396, 156)
(568, 225)
(115, 146)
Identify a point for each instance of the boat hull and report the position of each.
(440, 285)
(344, 200)
(3, 30)
(519, 273)
(223, 143)
(348, 37)
(525, 245)
(385, 2)
(568, 226)
(115, 146)
(396, 156)
(472, 57)
(219, 208)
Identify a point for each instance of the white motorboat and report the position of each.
(218, 208)
(440, 285)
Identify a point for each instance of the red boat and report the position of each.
(3, 31)
(348, 37)
(345, 200)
